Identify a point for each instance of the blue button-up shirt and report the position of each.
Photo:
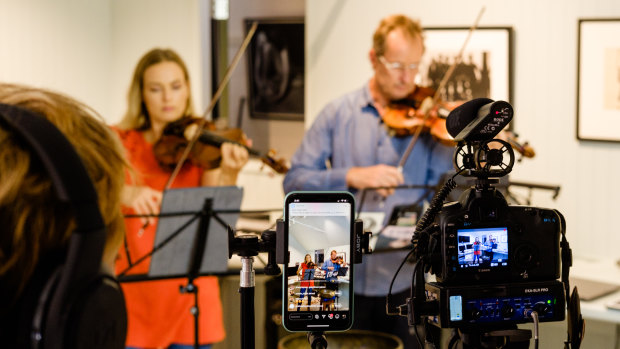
(350, 133)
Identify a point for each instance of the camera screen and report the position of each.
(320, 257)
(456, 308)
(483, 247)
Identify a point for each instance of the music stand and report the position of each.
(383, 241)
(205, 211)
(177, 207)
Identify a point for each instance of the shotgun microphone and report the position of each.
(478, 120)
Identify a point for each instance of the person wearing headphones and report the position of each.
(37, 226)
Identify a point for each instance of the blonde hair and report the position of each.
(136, 116)
(34, 222)
(390, 23)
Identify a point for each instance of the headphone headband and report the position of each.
(62, 163)
(76, 306)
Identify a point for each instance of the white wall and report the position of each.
(137, 26)
(338, 35)
(88, 49)
(63, 45)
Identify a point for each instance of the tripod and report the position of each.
(246, 247)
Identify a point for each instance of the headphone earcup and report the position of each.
(32, 308)
(98, 317)
(87, 308)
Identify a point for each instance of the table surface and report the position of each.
(602, 270)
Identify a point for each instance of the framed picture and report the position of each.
(485, 67)
(598, 80)
(342, 256)
(276, 68)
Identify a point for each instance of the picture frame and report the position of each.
(598, 80)
(343, 256)
(276, 74)
(485, 67)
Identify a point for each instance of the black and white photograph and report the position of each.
(276, 69)
(482, 70)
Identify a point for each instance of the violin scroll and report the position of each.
(523, 148)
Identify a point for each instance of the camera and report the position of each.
(495, 265)
(485, 240)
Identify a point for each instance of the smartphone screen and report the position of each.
(318, 280)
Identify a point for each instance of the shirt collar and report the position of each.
(365, 99)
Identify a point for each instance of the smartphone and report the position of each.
(318, 279)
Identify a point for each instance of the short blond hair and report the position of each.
(34, 222)
(390, 23)
(137, 117)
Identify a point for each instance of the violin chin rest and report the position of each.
(190, 131)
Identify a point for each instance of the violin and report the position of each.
(206, 152)
(523, 148)
(403, 119)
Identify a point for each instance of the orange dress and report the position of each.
(158, 314)
(305, 283)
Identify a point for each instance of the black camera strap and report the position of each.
(575, 322)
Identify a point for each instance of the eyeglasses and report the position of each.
(397, 66)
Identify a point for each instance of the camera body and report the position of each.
(483, 239)
(494, 263)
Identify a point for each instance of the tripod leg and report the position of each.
(247, 314)
(246, 290)
(317, 340)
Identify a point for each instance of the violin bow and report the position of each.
(442, 84)
(216, 97)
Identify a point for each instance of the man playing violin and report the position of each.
(349, 148)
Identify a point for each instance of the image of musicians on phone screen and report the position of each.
(320, 285)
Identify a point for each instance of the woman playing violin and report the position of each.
(158, 315)
(306, 272)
